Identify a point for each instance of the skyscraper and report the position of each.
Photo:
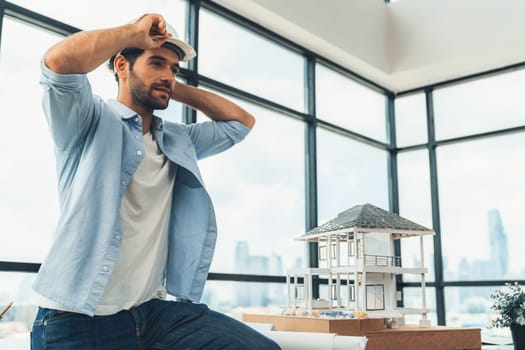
(257, 295)
(498, 243)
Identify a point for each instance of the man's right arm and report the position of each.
(85, 51)
(69, 105)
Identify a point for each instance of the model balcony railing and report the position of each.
(382, 260)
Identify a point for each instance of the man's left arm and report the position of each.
(210, 138)
(212, 105)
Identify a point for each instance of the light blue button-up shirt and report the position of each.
(98, 148)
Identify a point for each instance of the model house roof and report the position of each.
(369, 218)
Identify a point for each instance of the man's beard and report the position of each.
(143, 95)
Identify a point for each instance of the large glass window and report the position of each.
(17, 322)
(479, 106)
(346, 103)
(411, 120)
(96, 14)
(413, 298)
(237, 298)
(471, 307)
(258, 191)
(348, 173)
(482, 197)
(238, 57)
(415, 205)
(28, 200)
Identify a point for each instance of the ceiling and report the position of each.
(402, 45)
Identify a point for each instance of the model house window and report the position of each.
(351, 248)
(360, 249)
(351, 292)
(299, 292)
(333, 251)
(323, 253)
(375, 297)
(343, 254)
(333, 292)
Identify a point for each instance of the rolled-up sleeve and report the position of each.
(69, 106)
(213, 137)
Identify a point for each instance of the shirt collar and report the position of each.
(124, 111)
(127, 113)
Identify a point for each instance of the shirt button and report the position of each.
(137, 119)
(105, 269)
(117, 236)
(137, 137)
(139, 153)
(123, 183)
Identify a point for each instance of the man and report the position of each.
(135, 220)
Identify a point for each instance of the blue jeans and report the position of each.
(155, 325)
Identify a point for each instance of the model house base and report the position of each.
(379, 336)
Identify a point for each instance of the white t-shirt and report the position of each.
(138, 275)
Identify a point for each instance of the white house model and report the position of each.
(356, 257)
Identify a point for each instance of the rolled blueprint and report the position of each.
(315, 341)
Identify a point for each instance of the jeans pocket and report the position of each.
(51, 316)
(63, 330)
(40, 316)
